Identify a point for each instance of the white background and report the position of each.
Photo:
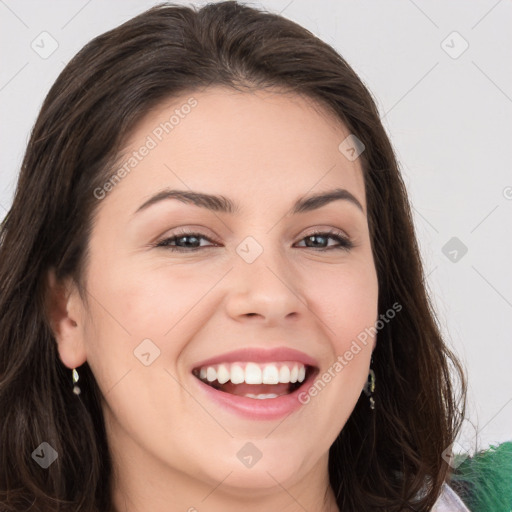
(448, 118)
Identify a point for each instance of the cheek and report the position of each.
(142, 299)
(164, 302)
(346, 300)
(346, 303)
(133, 305)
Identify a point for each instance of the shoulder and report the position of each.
(449, 501)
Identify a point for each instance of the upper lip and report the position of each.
(259, 355)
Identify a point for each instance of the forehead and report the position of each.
(252, 146)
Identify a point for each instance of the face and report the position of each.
(175, 287)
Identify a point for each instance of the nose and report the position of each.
(266, 290)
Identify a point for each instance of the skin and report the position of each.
(172, 447)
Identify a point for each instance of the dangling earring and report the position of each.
(369, 387)
(76, 389)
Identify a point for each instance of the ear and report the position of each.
(65, 312)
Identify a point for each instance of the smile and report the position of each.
(254, 380)
(256, 383)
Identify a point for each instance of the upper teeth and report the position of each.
(254, 373)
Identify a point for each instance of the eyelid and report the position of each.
(179, 232)
(182, 231)
(345, 242)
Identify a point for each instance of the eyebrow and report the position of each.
(219, 203)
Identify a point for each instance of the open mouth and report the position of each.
(255, 380)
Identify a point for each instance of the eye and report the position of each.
(316, 238)
(344, 242)
(180, 238)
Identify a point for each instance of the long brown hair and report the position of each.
(390, 458)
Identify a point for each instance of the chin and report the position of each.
(267, 468)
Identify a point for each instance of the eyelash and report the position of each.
(345, 243)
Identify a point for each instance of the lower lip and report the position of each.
(256, 409)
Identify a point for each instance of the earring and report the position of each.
(369, 387)
(76, 389)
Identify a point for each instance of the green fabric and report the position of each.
(484, 481)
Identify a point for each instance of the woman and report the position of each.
(212, 295)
